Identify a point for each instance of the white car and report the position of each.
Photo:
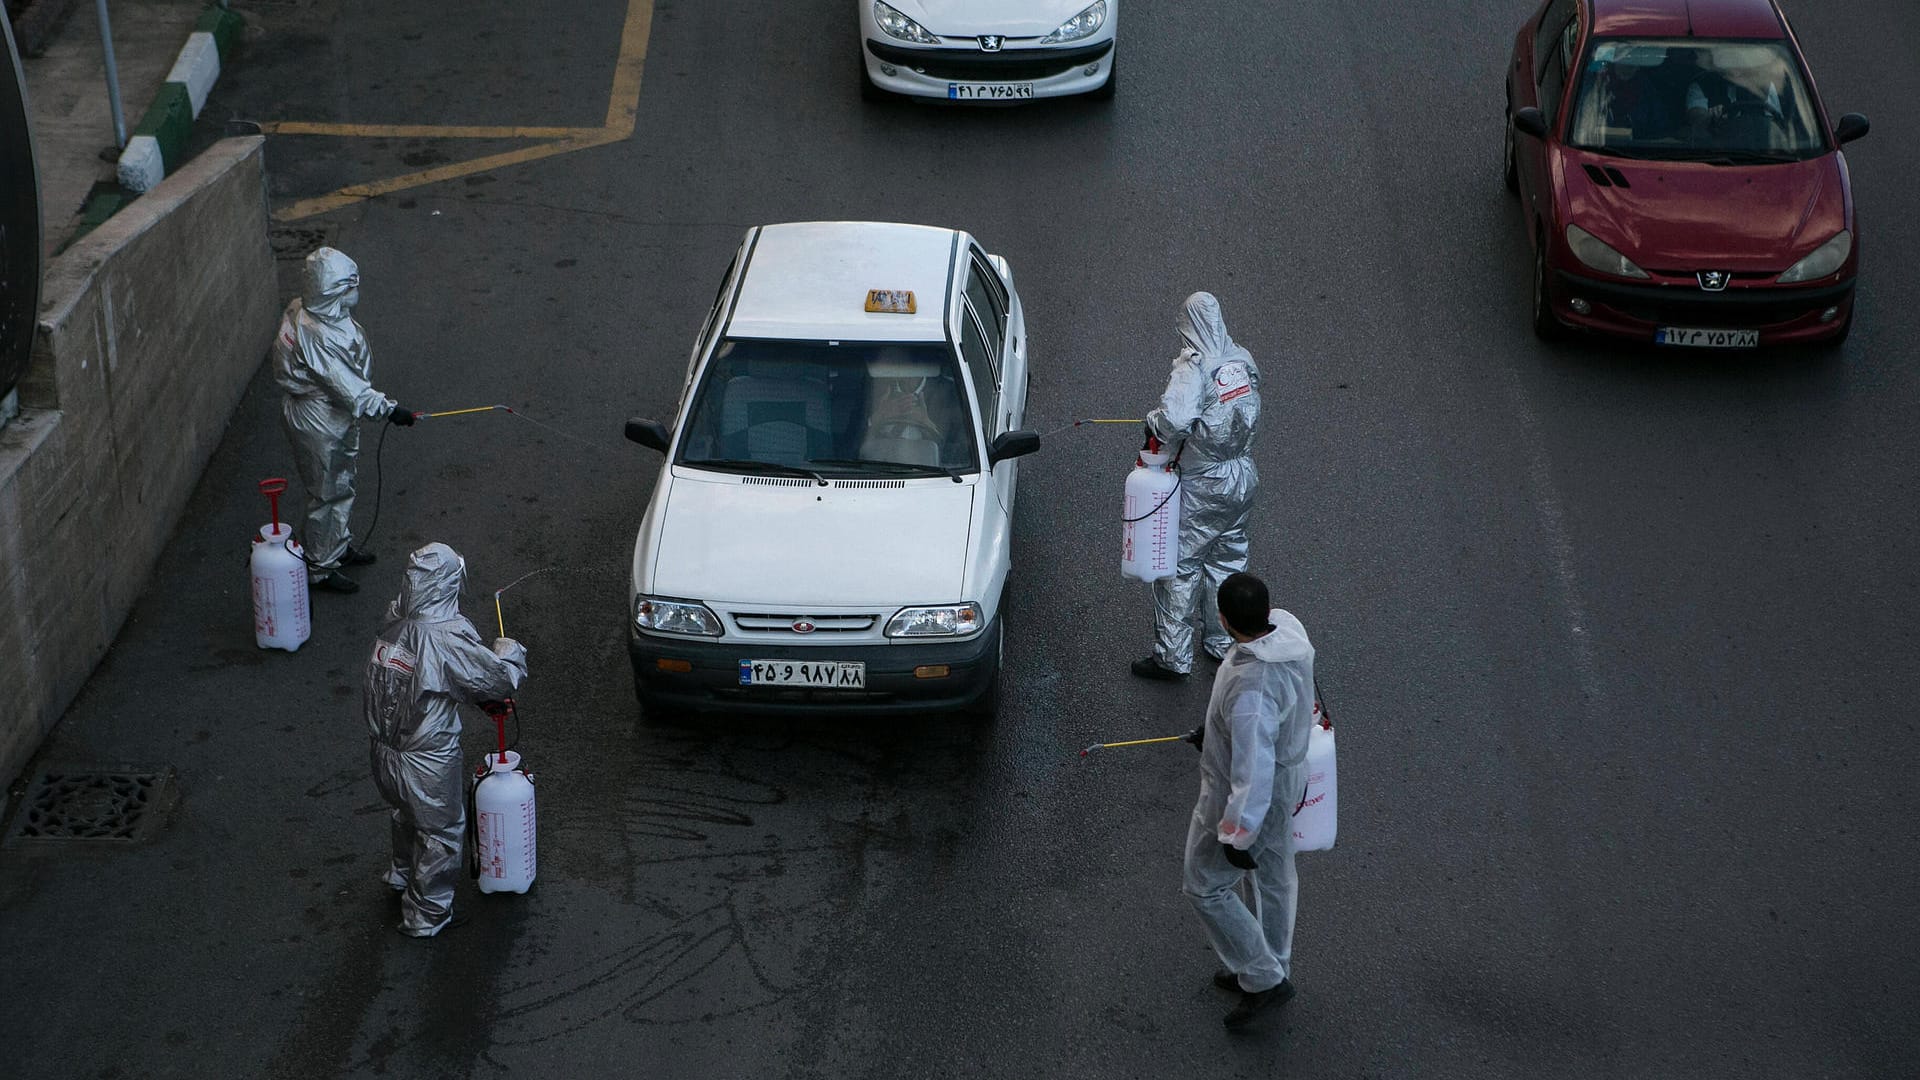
(988, 50)
(832, 527)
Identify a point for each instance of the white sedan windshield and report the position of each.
(1693, 99)
(856, 408)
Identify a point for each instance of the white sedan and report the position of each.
(988, 50)
(833, 525)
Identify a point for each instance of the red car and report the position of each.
(1681, 181)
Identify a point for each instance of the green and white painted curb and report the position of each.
(160, 141)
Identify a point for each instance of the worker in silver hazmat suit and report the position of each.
(321, 361)
(428, 661)
(1206, 420)
(1253, 777)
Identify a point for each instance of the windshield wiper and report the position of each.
(909, 467)
(1752, 157)
(747, 466)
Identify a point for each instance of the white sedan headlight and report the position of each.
(1825, 260)
(1596, 253)
(1085, 24)
(948, 620)
(674, 617)
(895, 25)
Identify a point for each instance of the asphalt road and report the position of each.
(1621, 641)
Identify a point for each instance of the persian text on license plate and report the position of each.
(961, 91)
(824, 674)
(1707, 339)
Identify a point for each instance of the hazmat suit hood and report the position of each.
(332, 285)
(430, 592)
(1203, 328)
(1287, 641)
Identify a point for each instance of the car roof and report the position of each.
(809, 281)
(1687, 18)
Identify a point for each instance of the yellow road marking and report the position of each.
(624, 100)
(354, 193)
(623, 104)
(418, 131)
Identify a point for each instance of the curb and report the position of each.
(160, 139)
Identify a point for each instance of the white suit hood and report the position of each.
(1287, 641)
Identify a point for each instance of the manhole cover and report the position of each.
(120, 805)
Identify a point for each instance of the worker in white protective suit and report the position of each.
(1206, 420)
(1253, 778)
(428, 661)
(321, 362)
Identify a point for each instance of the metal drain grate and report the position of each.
(118, 806)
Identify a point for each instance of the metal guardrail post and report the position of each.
(113, 78)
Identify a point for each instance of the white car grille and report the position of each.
(766, 622)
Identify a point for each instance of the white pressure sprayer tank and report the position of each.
(1316, 821)
(503, 820)
(281, 617)
(1150, 519)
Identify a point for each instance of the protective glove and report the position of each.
(401, 415)
(1198, 737)
(505, 647)
(1146, 437)
(1241, 859)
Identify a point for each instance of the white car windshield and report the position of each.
(832, 409)
(1692, 99)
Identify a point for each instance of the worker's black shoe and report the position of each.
(357, 557)
(1152, 668)
(1254, 1001)
(454, 922)
(1226, 980)
(336, 582)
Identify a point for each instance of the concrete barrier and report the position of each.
(150, 328)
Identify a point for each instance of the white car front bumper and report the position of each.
(971, 74)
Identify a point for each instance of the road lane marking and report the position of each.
(419, 131)
(623, 106)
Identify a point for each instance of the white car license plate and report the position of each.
(825, 674)
(1707, 339)
(961, 91)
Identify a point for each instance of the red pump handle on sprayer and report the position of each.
(271, 488)
(498, 710)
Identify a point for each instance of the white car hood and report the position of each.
(1014, 18)
(739, 543)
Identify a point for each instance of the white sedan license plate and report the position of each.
(961, 91)
(1707, 339)
(825, 674)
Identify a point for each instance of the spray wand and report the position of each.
(1190, 737)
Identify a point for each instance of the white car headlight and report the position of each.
(948, 620)
(1595, 252)
(1825, 260)
(895, 25)
(674, 617)
(1082, 25)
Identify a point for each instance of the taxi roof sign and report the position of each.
(891, 301)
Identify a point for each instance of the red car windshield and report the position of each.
(1689, 99)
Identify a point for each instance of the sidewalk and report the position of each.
(67, 98)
